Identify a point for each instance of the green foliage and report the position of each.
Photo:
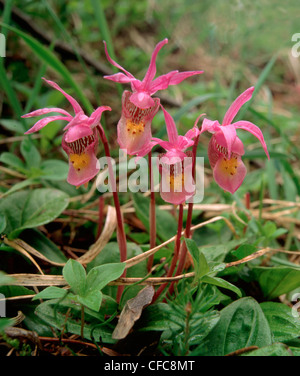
(242, 324)
(244, 308)
(31, 208)
(85, 288)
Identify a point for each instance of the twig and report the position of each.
(58, 280)
(12, 172)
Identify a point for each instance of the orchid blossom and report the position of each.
(138, 106)
(80, 139)
(176, 165)
(226, 149)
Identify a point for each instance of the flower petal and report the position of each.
(180, 76)
(171, 127)
(229, 134)
(46, 110)
(237, 104)
(184, 142)
(142, 100)
(133, 141)
(176, 183)
(72, 101)
(119, 77)
(95, 117)
(116, 64)
(43, 122)
(161, 82)
(193, 132)
(252, 128)
(78, 131)
(164, 144)
(211, 126)
(87, 171)
(151, 72)
(145, 150)
(229, 174)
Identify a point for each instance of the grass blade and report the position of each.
(50, 59)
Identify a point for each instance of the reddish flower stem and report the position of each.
(152, 213)
(175, 256)
(120, 225)
(100, 213)
(183, 251)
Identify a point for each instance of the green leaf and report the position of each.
(243, 251)
(2, 223)
(32, 208)
(51, 292)
(5, 279)
(277, 280)
(30, 153)
(45, 246)
(101, 275)
(74, 273)
(5, 322)
(55, 315)
(110, 254)
(241, 324)
(91, 300)
(200, 263)
(18, 186)
(12, 160)
(283, 324)
(13, 125)
(295, 350)
(53, 169)
(6, 87)
(51, 60)
(160, 317)
(9, 290)
(216, 281)
(263, 76)
(276, 349)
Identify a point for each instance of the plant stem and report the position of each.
(152, 213)
(175, 256)
(120, 229)
(183, 251)
(100, 212)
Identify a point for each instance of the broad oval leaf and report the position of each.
(276, 349)
(51, 292)
(32, 208)
(111, 254)
(200, 263)
(277, 280)
(92, 300)
(101, 275)
(242, 324)
(283, 324)
(53, 169)
(74, 274)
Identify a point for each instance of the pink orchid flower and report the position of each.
(138, 106)
(225, 149)
(80, 139)
(176, 166)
